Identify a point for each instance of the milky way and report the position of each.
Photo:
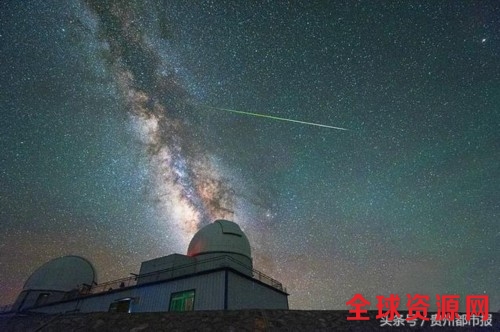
(187, 186)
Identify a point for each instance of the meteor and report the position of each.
(274, 117)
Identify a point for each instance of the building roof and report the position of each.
(62, 274)
(222, 236)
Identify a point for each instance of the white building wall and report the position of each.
(28, 298)
(244, 293)
(57, 308)
(209, 295)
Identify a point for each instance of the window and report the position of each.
(182, 301)
(122, 305)
(42, 299)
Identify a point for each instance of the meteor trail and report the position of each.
(275, 118)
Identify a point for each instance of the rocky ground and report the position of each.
(232, 320)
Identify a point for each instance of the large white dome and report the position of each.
(220, 237)
(62, 274)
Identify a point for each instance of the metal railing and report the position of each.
(111, 285)
(222, 260)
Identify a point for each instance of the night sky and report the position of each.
(114, 145)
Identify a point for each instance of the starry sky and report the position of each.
(114, 145)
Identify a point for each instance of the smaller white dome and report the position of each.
(221, 236)
(62, 274)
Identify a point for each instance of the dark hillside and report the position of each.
(237, 320)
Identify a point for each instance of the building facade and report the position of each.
(216, 274)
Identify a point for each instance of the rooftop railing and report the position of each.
(200, 265)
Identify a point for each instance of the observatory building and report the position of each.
(216, 274)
